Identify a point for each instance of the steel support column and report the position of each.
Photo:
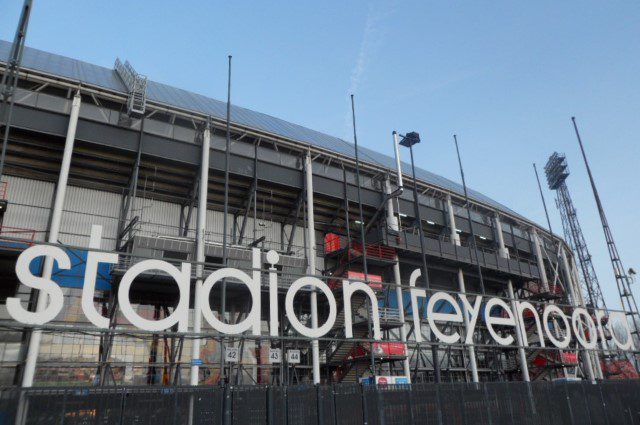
(56, 216)
(502, 248)
(393, 224)
(543, 272)
(577, 300)
(470, 347)
(519, 338)
(200, 245)
(311, 264)
(455, 237)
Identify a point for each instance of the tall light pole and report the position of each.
(408, 141)
(473, 245)
(363, 241)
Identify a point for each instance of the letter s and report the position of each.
(45, 313)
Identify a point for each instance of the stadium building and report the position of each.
(135, 167)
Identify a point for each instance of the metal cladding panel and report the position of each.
(29, 192)
(158, 217)
(214, 225)
(85, 207)
(161, 93)
(29, 205)
(298, 240)
(25, 217)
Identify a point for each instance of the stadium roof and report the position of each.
(106, 78)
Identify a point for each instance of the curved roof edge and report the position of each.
(106, 78)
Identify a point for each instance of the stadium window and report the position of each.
(175, 255)
(210, 259)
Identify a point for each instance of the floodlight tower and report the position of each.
(557, 172)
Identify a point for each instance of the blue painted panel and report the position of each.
(74, 277)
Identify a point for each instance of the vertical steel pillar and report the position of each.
(472, 353)
(56, 216)
(311, 264)
(502, 248)
(521, 353)
(578, 301)
(603, 344)
(504, 253)
(393, 224)
(455, 237)
(543, 272)
(200, 245)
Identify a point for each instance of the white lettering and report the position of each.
(45, 313)
(348, 288)
(433, 316)
(291, 315)
(548, 311)
(91, 272)
(503, 321)
(180, 314)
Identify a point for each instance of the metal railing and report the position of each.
(164, 231)
(16, 236)
(442, 246)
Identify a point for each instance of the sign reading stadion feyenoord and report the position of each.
(572, 323)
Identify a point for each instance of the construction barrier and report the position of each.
(608, 402)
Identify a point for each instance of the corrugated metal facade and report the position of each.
(29, 206)
(84, 207)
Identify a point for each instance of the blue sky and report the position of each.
(504, 76)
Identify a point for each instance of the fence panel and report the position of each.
(348, 404)
(371, 405)
(627, 392)
(206, 402)
(249, 405)
(549, 404)
(594, 404)
(93, 405)
(149, 406)
(451, 405)
(326, 406)
(395, 404)
(426, 408)
(302, 404)
(277, 405)
(474, 404)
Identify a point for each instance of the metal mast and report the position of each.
(623, 282)
(557, 172)
(10, 79)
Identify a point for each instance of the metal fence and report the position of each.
(609, 402)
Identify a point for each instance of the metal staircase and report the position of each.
(136, 85)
